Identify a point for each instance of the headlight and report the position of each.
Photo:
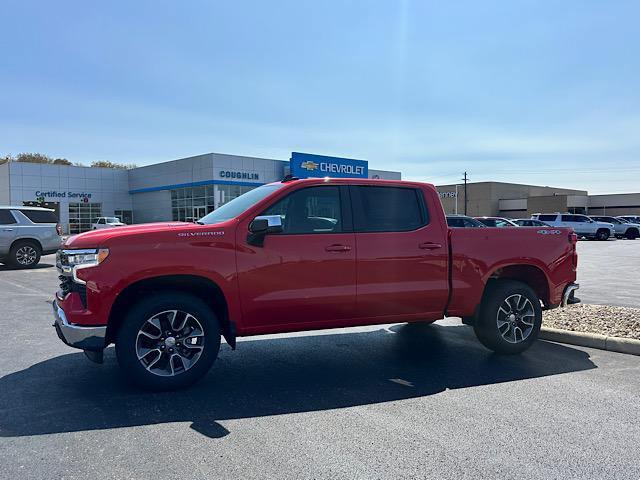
(86, 258)
(70, 261)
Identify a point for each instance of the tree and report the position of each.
(108, 164)
(61, 161)
(33, 158)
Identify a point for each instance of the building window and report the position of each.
(226, 193)
(192, 203)
(82, 216)
(125, 216)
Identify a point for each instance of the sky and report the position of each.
(540, 92)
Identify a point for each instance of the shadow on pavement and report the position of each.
(8, 268)
(268, 376)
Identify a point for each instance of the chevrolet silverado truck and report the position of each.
(302, 255)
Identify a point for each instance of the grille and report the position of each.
(67, 285)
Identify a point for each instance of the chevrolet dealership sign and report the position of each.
(304, 165)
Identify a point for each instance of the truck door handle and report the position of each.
(337, 248)
(429, 246)
(7, 229)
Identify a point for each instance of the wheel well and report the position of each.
(528, 274)
(26, 240)
(633, 229)
(208, 291)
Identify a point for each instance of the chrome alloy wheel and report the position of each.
(516, 318)
(170, 343)
(26, 255)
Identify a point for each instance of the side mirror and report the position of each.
(262, 226)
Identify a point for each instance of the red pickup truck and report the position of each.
(302, 255)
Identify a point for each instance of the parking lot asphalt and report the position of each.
(609, 272)
(394, 401)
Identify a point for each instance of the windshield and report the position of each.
(112, 220)
(240, 204)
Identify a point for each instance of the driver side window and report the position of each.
(309, 211)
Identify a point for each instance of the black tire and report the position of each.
(602, 234)
(486, 326)
(632, 233)
(24, 254)
(128, 338)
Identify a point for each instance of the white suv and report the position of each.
(581, 224)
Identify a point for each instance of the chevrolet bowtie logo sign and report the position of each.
(309, 165)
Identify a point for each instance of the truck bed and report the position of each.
(477, 254)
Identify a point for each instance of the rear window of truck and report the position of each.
(40, 216)
(388, 209)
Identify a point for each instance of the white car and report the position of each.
(107, 222)
(581, 224)
(623, 229)
(630, 218)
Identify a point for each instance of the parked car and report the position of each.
(621, 229)
(26, 233)
(631, 218)
(107, 222)
(496, 222)
(529, 222)
(462, 221)
(264, 263)
(581, 224)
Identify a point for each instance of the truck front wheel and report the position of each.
(168, 341)
(510, 317)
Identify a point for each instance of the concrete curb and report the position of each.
(592, 340)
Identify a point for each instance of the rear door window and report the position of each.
(40, 216)
(548, 218)
(7, 218)
(388, 209)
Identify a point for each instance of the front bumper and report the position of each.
(86, 338)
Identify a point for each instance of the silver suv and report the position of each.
(581, 224)
(26, 233)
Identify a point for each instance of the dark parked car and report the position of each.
(462, 221)
(496, 222)
(529, 222)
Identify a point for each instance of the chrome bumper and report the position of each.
(567, 296)
(86, 338)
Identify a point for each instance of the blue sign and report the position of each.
(304, 165)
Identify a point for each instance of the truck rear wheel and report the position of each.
(510, 317)
(168, 341)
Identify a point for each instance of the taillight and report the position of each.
(573, 240)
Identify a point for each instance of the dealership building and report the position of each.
(513, 200)
(184, 189)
